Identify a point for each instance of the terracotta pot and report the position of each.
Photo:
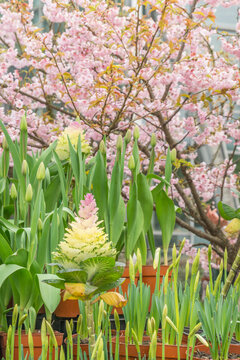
(149, 275)
(24, 340)
(84, 347)
(234, 349)
(67, 309)
(170, 350)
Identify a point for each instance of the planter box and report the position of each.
(24, 340)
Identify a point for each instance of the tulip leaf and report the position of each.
(5, 248)
(49, 294)
(146, 200)
(117, 223)
(135, 220)
(20, 258)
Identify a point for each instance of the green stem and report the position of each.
(231, 275)
(19, 343)
(163, 344)
(90, 325)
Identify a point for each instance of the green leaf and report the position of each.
(109, 286)
(141, 244)
(227, 212)
(146, 200)
(115, 191)
(2, 185)
(57, 283)
(153, 176)
(168, 167)
(73, 275)
(8, 225)
(166, 215)
(135, 220)
(49, 294)
(117, 223)
(5, 248)
(100, 189)
(20, 258)
(52, 193)
(95, 265)
(108, 277)
(62, 179)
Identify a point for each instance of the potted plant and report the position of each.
(86, 263)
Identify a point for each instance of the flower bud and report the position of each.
(24, 167)
(71, 324)
(13, 192)
(136, 133)
(79, 324)
(195, 264)
(195, 329)
(153, 345)
(172, 324)
(119, 143)
(203, 341)
(30, 343)
(164, 316)
(9, 335)
(62, 355)
(153, 140)
(23, 123)
(153, 323)
(41, 172)
(29, 193)
(4, 144)
(196, 283)
(21, 321)
(39, 225)
(15, 315)
(173, 155)
(131, 269)
(128, 136)
(117, 321)
(69, 332)
(149, 327)
(182, 245)
(100, 312)
(139, 261)
(156, 258)
(102, 147)
(131, 163)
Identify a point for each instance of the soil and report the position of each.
(82, 341)
(203, 355)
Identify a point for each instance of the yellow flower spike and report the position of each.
(112, 298)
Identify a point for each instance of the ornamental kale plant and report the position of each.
(86, 263)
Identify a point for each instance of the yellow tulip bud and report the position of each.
(156, 258)
(23, 123)
(15, 315)
(102, 147)
(195, 329)
(153, 140)
(41, 172)
(119, 143)
(131, 163)
(24, 167)
(5, 144)
(136, 133)
(29, 193)
(39, 225)
(173, 155)
(128, 136)
(13, 192)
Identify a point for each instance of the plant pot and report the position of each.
(67, 309)
(24, 341)
(233, 349)
(84, 347)
(149, 275)
(170, 350)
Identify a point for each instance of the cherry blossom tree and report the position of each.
(113, 67)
